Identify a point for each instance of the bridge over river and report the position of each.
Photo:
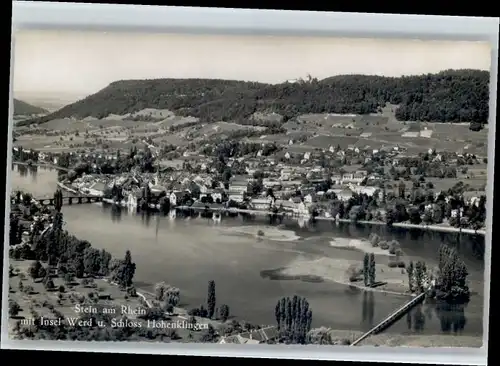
(69, 200)
(391, 318)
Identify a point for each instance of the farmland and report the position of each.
(318, 131)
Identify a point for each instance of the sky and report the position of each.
(83, 62)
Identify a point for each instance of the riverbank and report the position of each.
(41, 165)
(441, 228)
(438, 228)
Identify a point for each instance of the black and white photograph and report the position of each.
(248, 189)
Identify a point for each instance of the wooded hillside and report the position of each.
(24, 109)
(449, 96)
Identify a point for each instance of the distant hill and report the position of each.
(24, 109)
(448, 96)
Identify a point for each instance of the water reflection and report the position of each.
(331, 302)
(413, 242)
(416, 319)
(26, 170)
(116, 213)
(451, 317)
(368, 309)
(146, 218)
(33, 172)
(22, 170)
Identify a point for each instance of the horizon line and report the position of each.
(303, 78)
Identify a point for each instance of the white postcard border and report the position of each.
(138, 18)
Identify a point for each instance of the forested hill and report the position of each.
(24, 109)
(449, 96)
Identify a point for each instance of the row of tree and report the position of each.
(449, 283)
(71, 255)
(210, 309)
(369, 269)
(293, 317)
(418, 278)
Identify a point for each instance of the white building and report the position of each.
(176, 198)
(262, 203)
(286, 173)
(97, 189)
(132, 200)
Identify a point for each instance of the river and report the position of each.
(187, 253)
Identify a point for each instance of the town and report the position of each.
(380, 186)
(349, 210)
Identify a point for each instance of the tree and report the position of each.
(160, 291)
(92, 261)
(209, 335)
(366, 269)
(169, 309)
(13, 230)
(68, 278)
(125, 271)
(105, 258)
(410, 271)
(372, 269)
(475, 126)
(58, 200)
(419, 277)
(394, 247)
(78, 266)
(49, 285)
(42, 272)
(172, 296)
(451, 283)
(14, 309)
(374, 239)
(415, 216)
(211, 300)
(277, 314)
(427, 219)
(34, 269)
(295, 319)
(224, 312)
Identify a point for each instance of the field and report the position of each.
(384, 131)
(40, 298)
(62, 304)
(219, 128)
(475, 184)
(308, 132)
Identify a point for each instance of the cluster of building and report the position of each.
(282, 180)
(251, 187)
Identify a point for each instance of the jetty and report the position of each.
(391, 318)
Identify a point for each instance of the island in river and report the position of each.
(186, 252)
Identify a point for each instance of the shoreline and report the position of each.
(41, 165)
(437, 228)
(390, 280)
(405, 225)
